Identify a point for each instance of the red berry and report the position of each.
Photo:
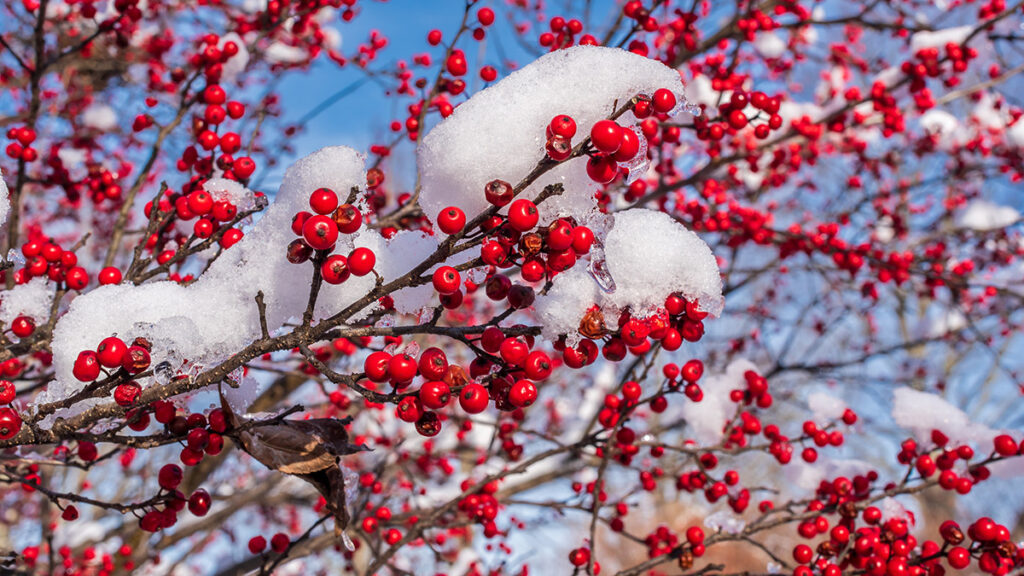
(434, 37)
(563, 125)
(522, 394)
(606, 136)
(76, 278)
(602, 169)
(451, 220)
(361, 261)
(199, 502)
(629, 147)
(279, 542)
(335, 269)
(320, 232)
(70, 513)
(376, 366)
(7, 391)
(582, 239)
(433, 364)
(243, 167)
(1005, 445)
(257, 544)
(23, 326)
(126, 394)
(402, 367)
(499, 192)
(523, 215)
(87, 366)
(446, 280)
(111, 352)
(347, 218)
(663, 100)
(170, 476)
(10, 423)
(473, 398)
(435, 395)
(323, 201)
(200, 202)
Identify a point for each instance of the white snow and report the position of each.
(921, 412)
(983, 215)
(1015, 134)
(706, 419)
(100, 117)
(939, 38)
(30, 299)
(825, 407)
(228, 190)
(499, 132)
(237, 63)
(5, 201)
(674, 259)
(281, 53)
(891, 508)
(943, 125)
(725, 522)
(769, 45)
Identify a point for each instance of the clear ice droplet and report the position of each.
(163, 372)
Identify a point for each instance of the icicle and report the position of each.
(598, 268)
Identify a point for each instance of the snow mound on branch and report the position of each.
(228, 190)
(939, 38)
(217, 316)
(30, 299)
(985, 215)
(921, 412)
(5, 201)
(100, 117)
(649, 255)
(499, 133)
(825, 408)
(769, 45)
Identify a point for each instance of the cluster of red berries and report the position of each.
(733, 117)
(195, 203)
(927, 63)
(45, 258)
(481, 506)
(112, 356)
(319, 232)
(10, 420)
(169, 478)
(218, 109)
(278, 543)
(20, 147)
(563, 34)
(510, 389)
(614, 144)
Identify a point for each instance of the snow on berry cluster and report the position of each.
(499, 132)
(648, 256)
